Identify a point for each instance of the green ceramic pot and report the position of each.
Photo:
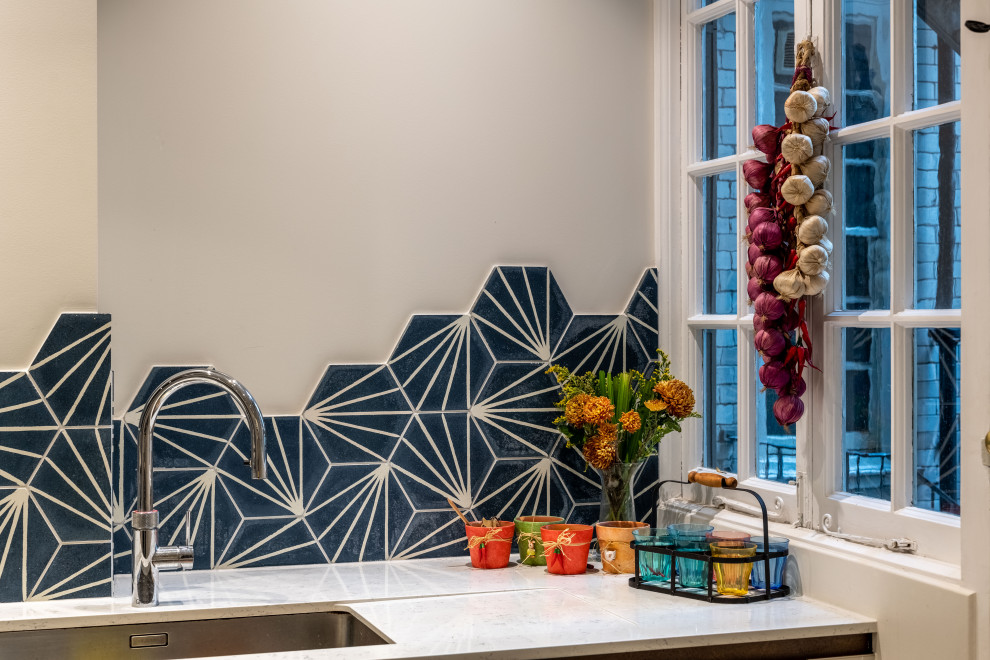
(528, 536)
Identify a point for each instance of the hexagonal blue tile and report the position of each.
(358, 413)
(440, 362)
(72, 369)
(643, 313)
(522, 313)
(440, 456)
(515, 410)
(597, 342)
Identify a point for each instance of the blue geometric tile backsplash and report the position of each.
(55, 466)
(462, 409)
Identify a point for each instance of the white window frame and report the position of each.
(819, 438)
(685, 325)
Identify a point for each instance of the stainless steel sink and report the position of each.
(192, 639)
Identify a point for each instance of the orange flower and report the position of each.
(574, 411)
(630, 421)
(677, 395)
(656, 405)
(600, 452)
(608, 432)
(598, 410)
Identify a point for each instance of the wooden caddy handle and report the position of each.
(712, 480)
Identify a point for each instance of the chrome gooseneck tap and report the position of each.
(148, 556)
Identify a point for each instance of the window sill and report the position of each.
(919, 566)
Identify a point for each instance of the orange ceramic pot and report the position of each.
(566, 547)
(490, 546)
(613, 541)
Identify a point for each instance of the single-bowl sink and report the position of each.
(193, 638)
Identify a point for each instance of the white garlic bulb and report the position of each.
(815, 284)
(797, 189)
(820, 203)
(800, 107)
(825, 244)
(822, 98)
(817, 129)
(790, 284)
(812, 229)
(796, 148)
(812, 260)
(816, 169)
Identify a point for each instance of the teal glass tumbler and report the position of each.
(778, 565)
(653, 566)
(692, 538)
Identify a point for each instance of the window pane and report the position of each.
(718, 87)
(866, 411)
(719, 242)
(936, 54)
(866, 224)
(775, 446)
(774, 34)
(866, 53)
(721, 429)
(936, 419)
(937, 213)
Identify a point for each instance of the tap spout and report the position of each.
(242, 399)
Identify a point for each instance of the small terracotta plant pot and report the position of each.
(613, 541)
(529, 540)
(566, 547)
(490, 546)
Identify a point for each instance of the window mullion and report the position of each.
(901, 57)
(902, 255)
(829, 480)
(687, 354)
(745, 77)
(901, 419)
(745, 118)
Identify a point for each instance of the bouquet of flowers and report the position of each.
(617, 421)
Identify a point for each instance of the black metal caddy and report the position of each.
(670, 586)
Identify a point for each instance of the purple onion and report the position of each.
(755, 200)
(768, 306)
(757, 173)
(788, 409)
(760, 323)
(768, 267)
(767, 236)
(797, 386)
(765, 139)
(754, 253)
(749, 269)
(754, 288)
(770, 341)
(774, 375)
(760, 216)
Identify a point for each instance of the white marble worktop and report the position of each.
(438, 607)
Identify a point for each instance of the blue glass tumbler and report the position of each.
(653, 566)
(692, 538)
(777, 564)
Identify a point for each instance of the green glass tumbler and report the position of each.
(653, 566)
(692, 538)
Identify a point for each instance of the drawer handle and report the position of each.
(147, 641)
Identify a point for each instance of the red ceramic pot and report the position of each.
(566, 547)
(490, 546)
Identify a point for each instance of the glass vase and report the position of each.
(618, 500)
